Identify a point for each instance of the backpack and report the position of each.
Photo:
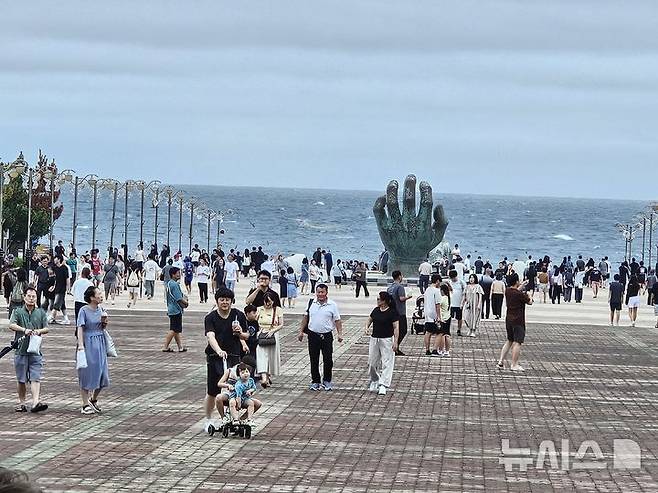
(17, 293)
(133, 279)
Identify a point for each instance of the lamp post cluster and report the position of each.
(643, 224)
(154, 190)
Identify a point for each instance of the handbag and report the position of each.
(35, 344)
(268, 340)
(111, 349)
(80, 360)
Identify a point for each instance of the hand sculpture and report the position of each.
(408, 236)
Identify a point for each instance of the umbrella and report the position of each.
(12, 345)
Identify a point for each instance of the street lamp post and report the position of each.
(192, 204)
(170, 192)
(113, 185)
(156, 205)
(77, 183)
(128, 185)
(180, 222)
(210, 216)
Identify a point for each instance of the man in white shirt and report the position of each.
(195, 255)
(231, 272)
(459, 267)
(432, 308)
(268, 265)
(467, 263)
(151, 270)
(424, 273)
(178, 262)
(458, 286)
(319, 321)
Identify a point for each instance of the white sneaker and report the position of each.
(66, 321)
(517, 368)
(632, 324)
(446, 354)
(207, 425)
(373, 387)
(382, 390)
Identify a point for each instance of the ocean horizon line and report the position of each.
(434, 192)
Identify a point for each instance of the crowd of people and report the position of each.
(243, 346)
(478, 287)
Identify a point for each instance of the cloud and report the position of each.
(358, 92)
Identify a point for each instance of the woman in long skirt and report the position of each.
(91, 323)
(268, 357)
(383, 343)
(472, 304)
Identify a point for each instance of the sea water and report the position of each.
(300, 220)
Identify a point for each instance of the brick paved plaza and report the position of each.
(439, 429)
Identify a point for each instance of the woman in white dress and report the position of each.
(268, 357)
(472, 304)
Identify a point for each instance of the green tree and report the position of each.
(15, 204)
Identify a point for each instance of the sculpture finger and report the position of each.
(392, 202)
(379, 212)
(409, 197)
(426, 202)
(440, 224)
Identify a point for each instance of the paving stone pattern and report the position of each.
(440, 428)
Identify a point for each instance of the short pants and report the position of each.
(516, 334)
(215, 367)
(615, 306)
(176, 323)
(456, 312)
(28, 367)
(431, 328)
(444, 328)
(58, 304)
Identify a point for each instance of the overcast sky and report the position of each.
(502, 97)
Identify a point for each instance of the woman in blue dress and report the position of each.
(292, 286)
(303, 279)
(91, 324)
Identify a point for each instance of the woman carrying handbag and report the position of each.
(268, 352)
(93, 370)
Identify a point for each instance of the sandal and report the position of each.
(168, 350)
(183, 350)
(40, 406)
(21, 408)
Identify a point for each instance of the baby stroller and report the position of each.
(418, 317)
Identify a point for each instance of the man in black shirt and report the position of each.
(615, 298)
(59, 249)
(224, 327)
(59, 290)
(41, 277)
(256, 295)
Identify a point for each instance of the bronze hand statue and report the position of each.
(408, 236)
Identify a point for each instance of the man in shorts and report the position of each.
(514, 321)
(26, 321)
(224, 327)
(615, 298)
(175, 303)
(431, 308)
(458, 287)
